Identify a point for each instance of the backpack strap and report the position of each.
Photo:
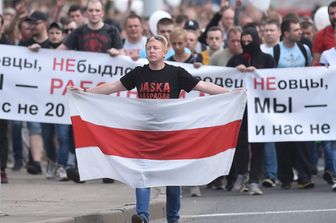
(304, 52)
(276, 53)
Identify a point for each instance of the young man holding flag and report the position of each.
(157, 80)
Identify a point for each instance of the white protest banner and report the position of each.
(33, 85)
(292, 104)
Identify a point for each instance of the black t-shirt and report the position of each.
(86, 39)
(159, 84)
(4, 40)
(31, 41)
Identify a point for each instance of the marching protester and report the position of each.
(291, 53)
(271, 36)
(250, 59)
(214, 40)
(57, 157)
(157, 71)
(76, 14)
(220, 58)
(96, 36)
(39, 23)
(135, 41)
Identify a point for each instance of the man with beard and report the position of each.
(252, 58)
(324, 39)
(291, 154)
(39, 25)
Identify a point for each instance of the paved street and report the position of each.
(27, 198)
(276, 206)
(30, 198)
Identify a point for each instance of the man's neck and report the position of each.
(271, 44)
(40, 38)
(156, 65)
(181, 57)
(96, 26)
(211, 51)
(288, 43)
(134, 40)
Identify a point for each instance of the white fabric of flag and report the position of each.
(149, 143)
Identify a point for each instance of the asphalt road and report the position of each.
(276, 205)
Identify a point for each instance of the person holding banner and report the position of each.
(135, 41)
(157, 80)
(39, 22)
(291, 155)
(96, 36)
(252, 58)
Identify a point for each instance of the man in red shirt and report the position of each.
(324, 39)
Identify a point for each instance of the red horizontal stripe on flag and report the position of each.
(156, 145)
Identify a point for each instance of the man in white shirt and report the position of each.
(135, 41)
(272, 35)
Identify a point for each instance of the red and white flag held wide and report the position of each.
(149, 143)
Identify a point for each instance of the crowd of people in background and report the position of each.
(233, 35)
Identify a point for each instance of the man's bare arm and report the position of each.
(107, 88)
(210, 88)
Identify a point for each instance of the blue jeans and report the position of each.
(271, 163)
(34, 128)
(173, 194)
(329, 149)
(64, 138)
(17, 141)
(314, 154)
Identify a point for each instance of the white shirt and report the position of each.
(328, 57)
(134, 48)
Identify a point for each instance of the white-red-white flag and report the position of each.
(149, 143)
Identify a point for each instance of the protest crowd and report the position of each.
(219, 33)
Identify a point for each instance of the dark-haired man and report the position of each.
(293, 154)
(76, 13)
(324, 39)
(135, 41)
